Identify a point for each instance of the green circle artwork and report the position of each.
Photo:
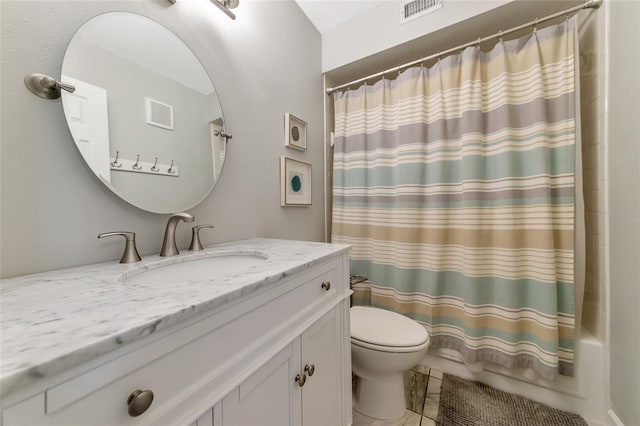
(296, 183)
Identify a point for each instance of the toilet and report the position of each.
(384, 345)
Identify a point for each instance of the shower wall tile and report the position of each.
(592, 115)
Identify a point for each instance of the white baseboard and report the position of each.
(612, 419)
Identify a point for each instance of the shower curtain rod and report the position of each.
(589, 4)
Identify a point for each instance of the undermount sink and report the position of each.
(198, 269)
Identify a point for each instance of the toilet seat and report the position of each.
(386, 331)
(394, 349)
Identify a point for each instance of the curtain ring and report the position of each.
(500, 36)
(535, 25)
(478, 42)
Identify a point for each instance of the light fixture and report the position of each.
(223, 5)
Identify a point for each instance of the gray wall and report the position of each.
(264, 64)
(624, 209)
(188, 144)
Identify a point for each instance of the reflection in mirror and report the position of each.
(145, 115)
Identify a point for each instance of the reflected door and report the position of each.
(88, 119)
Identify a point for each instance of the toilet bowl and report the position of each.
(384, 344)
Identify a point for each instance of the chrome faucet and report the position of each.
(169, 247)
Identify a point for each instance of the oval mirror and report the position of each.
(145, 115)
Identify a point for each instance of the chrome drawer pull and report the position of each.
(139, 402)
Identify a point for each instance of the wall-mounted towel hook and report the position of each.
(46, 87)
(171, 169)
(137, 165)
(155, 168)
(115, 162)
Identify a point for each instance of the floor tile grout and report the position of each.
(414, 386)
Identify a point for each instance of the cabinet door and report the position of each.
(321, 393)
(211, 417)
(269, 397)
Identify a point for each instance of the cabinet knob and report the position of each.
(310, 369)
(326, 285)
(301, 379)
(139, 401)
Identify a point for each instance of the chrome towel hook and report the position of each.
(46, 87)
(155, 168)
(171, 169)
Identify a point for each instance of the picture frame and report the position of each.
(295, 131)
(295, 178)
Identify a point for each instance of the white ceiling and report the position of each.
(159, 51)
(326, 14)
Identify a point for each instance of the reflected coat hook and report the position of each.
(115, 163)
(46, 87)
(137, 166)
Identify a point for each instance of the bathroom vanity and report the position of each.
(263, 341)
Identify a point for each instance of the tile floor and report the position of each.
(422, 396)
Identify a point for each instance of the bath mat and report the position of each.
(467, 403)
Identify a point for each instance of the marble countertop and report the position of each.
(55, 320)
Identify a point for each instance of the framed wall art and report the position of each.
(295, 130)
(295, 177)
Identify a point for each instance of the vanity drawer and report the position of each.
(218, 349)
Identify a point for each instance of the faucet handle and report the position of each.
(130, 254)
(195, 237)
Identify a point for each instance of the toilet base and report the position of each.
(380, 397)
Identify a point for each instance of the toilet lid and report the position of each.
(385, 328)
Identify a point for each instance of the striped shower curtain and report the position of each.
(455, 186)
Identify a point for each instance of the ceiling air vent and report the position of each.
(416, 8)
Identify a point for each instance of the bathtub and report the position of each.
(583, 394)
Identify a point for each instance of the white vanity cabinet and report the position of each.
(300, 385)
(234, 366)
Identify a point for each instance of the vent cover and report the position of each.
(416, 8)
(159, 114)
